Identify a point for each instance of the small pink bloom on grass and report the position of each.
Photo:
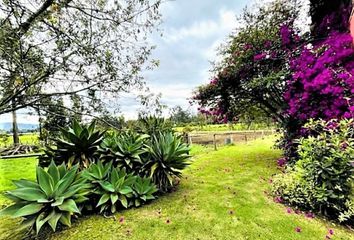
(289, 210)
(330, 231)
(298, 229)
(121, 219)
(278, 200)
(309, 215)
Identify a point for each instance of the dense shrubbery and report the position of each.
(322, 178)
(99, 172)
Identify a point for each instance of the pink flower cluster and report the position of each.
(322, 83)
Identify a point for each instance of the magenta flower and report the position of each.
(309, 215)
(289, 210)
(259, 57)
(281, 162)
(330, 231)
(298, 229)
(278, 200)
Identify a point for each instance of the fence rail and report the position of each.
(21, 156)
(224, 138)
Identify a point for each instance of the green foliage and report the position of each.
(168, 155)
(114, 188)
(143, 190)
(153, 125)
(53, 198)
(124, 149)
(322, 179)
(77, 145)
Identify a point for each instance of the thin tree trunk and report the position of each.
(15, 135)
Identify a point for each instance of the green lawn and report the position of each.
(221, 196)
(29, 139)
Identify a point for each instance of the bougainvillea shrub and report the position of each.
(322, 84)
(255, 66)
(322, 178)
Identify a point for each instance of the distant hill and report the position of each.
(7, 126)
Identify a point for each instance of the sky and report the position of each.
(192, 31)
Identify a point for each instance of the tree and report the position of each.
(64, 47)
(54, 116)
(254, 66)
(180, 116)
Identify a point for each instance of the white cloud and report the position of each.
(22, 117)
(203, 29)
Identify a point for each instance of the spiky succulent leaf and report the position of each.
(124, 150)
(53, 198)
(168, 156)
(77, 145)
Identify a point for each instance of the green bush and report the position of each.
(168, 155)
(124, 150)
(322, 178)
(114, 188)
(153, 125)
(53, 198)
(143, 191)
(78, 144)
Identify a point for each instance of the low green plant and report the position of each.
(143, 191)
(112, 187)
(124, 150)
(322, 178)
(53, 198)
(167, 157)
(78, 144)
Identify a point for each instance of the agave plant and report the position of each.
(113, 186)
(124, 150)
(53, 198)
(153, 125)
(168, 155)
(143, 191)
(77, 145)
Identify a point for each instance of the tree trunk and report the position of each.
(15, 135)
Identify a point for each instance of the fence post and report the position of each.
(189, 139)
(214, 140)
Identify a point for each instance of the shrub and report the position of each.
(143, 191)
(113, 188)
(124, 150)
(77, 145)
(153, 125)
(322, 179)
(53, 198)
(168, 155)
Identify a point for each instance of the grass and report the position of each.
(221, 196)
(29, 139)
